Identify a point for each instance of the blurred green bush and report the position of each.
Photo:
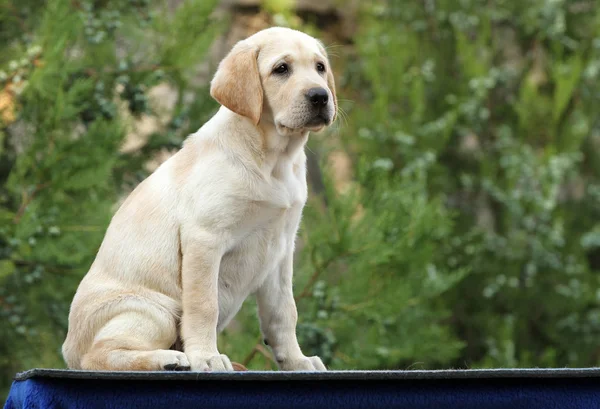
(474, 128)
(74, 75)
(469, 235)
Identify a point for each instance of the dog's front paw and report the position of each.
(209, 362)
(306, 363)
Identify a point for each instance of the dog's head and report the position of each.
(281, 76)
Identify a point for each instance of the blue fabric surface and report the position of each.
(423, 393)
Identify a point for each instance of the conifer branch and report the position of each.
(26, 199)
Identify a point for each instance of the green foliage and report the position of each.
(386, 264)
(500, 98)
(68, 90)
(468, 236)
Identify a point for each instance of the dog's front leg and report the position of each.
(278, 318)
(200, 298)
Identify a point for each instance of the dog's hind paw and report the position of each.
(176, 367)
(174, 361)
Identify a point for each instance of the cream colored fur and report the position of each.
(212, 225)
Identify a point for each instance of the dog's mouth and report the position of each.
(316, 123)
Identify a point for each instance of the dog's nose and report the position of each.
(317, 96)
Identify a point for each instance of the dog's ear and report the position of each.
(330, 80)
(236, 84)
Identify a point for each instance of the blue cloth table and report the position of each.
(452, 389)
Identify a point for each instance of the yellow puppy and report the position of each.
(213, 224)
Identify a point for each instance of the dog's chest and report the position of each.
(244, 267)
(264, 241)
(252, 261)
(265, 238)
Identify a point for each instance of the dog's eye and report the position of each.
(320, 67)
(281, 69)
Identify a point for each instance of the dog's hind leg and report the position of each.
(136, 341)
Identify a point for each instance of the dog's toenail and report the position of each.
(182, 368)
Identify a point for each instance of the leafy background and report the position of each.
(454, 212)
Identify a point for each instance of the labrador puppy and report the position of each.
(213, 224)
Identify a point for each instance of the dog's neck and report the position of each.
(277, 143)
(270, 149)
(280, 151)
